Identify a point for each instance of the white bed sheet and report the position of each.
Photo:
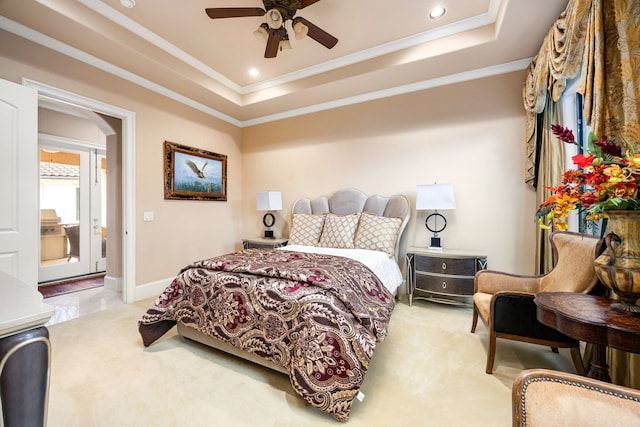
(380, 263)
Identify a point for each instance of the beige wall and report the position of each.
(183, 231)
(469, 134)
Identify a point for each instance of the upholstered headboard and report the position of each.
(351, 200)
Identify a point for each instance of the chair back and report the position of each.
(547, 398)
(73, 234)
(574, 254)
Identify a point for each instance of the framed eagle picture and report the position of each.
(194, 174)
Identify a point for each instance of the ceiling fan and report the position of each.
(274, 30)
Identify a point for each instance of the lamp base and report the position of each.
(435, 245)
(268, 234)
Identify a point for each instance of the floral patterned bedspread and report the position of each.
(319, 316)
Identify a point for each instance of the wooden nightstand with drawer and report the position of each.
(445, 277)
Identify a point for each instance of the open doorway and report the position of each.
(119, 127)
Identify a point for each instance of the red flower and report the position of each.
(563, 134)
(609, 147)
(588, 199)
(582, 161)
(597, 176)
(573, 176)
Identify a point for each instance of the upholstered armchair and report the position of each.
(545, 398)
(505, 301)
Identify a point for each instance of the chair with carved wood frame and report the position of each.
(505, 303)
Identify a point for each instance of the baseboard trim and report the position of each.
(113, 283)
(152, 289)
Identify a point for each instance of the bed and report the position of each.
(314, 309)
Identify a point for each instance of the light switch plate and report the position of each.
(148, 216)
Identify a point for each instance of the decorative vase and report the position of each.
(619, 265)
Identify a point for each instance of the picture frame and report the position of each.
(194, 174)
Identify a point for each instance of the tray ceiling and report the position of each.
(385, 48)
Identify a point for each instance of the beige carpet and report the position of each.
(429, 372)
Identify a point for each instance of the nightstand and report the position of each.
(445, 277)
(262, 242)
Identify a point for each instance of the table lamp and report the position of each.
(269, 201)
(434, 197)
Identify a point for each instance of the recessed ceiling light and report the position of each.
(253, 72)
(128, 3)
(437, 12)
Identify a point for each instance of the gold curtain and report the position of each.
(602, 37)
(614, 100)
(558, 60)
(551, 163)
(610, 81)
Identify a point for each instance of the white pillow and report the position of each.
(306, 229)
(377, 233)
(339, 231)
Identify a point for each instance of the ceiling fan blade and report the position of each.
(318, 34)
(273, 43)
(305, 3)
(233, 12)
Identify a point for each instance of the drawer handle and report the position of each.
(444, 265)
(444, 285)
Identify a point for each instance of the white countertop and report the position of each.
(21, 306)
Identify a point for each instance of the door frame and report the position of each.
(128, 172)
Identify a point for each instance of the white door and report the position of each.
(19, 178)
(73, 221)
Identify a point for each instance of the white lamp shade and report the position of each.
(435, 197)
(285, 44)
(262, 33)
(274, 19)
(300, 30)
(269, 201)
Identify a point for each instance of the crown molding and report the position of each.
(480, 73)
(70, 51)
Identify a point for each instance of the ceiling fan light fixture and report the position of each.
(300, 30)
(285, 44)
(437, 12)
(262, 33)
(274, 19)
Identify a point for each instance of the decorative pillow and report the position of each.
(306, 229)
(339, 231)
(377, 233)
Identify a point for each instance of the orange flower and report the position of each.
(603, 180)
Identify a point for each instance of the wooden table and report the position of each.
(588, 318)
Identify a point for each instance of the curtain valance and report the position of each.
(600, 36)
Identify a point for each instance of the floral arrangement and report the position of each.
(606, 178)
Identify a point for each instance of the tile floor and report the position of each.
(77, 304)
